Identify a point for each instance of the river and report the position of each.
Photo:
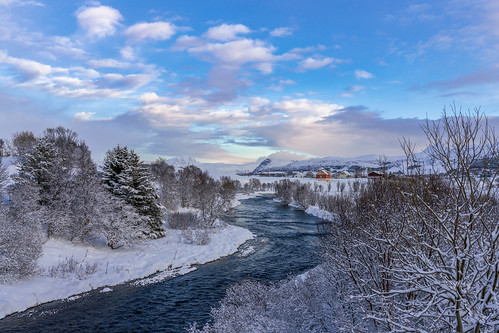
(286, 244)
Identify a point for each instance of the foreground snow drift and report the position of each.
(68, 269)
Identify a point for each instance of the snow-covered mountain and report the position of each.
(284, 163)
(392, 164)
(214, 169)
(182, 161)
(272, 164)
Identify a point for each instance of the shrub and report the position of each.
(184, 221)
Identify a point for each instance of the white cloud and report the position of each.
(75, 82)
(183, 112)
(361, 74)
(127, 81)
(28, 68)
(230, 55)
(288, 81)
(238, 52)
(314, 63)
(265, 67)
(345, 95)
(20, 3)
(69, 81)
(282, 83)
(356, 88)
(100, 21)
(306, 110)
(84, 115)
(308, 49)
(74, 52)
(128, 53)
(258, 101)
(226, 32)
(150, 31)
(186, 42)
(287, 155)
(151, 98)
(85, 72)
(108, 63)
(280, 32)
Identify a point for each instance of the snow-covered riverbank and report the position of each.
(67, 269)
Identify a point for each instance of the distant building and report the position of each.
(375, 175)
(344, 174)
(323, 175)
(310, 174)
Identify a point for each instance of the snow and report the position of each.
(94, 268)
(320, 213)
(245, 196)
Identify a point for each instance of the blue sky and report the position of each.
(231, 81)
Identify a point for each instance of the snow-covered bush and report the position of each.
(184, 220)
(301, 304)
(72, 268)
(21, 233)
(197, 237)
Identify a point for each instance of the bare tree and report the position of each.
(164, 175)
(212, 197)
(4, 176)
(23, 142)
(446, 265)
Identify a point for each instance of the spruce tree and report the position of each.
(39, 165)
(126, 177)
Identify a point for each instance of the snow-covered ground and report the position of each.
(320, 213)
(67, 269)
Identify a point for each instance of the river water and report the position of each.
(286, 244)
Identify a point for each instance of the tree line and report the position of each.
(59, 192)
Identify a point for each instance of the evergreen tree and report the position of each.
(126, 177)
(38, 165)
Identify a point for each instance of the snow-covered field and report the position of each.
(67, 269)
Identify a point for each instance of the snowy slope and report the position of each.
(216, 170)
(273, 164)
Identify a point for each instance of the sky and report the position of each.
(231, 81)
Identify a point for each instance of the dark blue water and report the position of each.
(286, 244)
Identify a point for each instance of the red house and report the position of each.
(375, 175)
(323, 174)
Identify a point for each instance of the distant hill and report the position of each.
(392, 164)
(279, 163)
